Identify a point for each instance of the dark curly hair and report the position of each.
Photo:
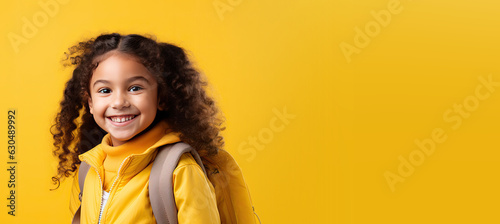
(188, 110)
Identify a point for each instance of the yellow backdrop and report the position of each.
(379, 111)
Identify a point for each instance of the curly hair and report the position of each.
(188, 110)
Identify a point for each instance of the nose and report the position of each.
(120, 100)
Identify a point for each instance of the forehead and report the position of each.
(119, 66)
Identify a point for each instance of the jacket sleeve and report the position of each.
(74, 201)
(194, 195)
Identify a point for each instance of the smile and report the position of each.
(122, 119)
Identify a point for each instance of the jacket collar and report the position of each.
(139, 151)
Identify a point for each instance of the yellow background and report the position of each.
(352, 123)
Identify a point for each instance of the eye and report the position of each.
(104, 90)
(135, 88)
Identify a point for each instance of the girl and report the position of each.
(128, 96)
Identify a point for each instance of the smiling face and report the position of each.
(123, 97)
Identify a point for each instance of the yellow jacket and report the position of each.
(128, 200)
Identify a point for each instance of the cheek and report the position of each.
(149, 105)
(98, 107)
(152, 106)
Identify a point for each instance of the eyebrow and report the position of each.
(128, 80)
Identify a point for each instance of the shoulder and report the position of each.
(186, 160)
(187, 164)
(189, 178)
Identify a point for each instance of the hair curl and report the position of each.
(185, 105)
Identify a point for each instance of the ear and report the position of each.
(91, 106)
(160, 106)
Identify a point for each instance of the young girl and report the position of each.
(128, 96)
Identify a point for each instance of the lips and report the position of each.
(122, 118)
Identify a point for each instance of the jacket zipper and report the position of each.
(100, 193)
(118, 175)
(111, 188)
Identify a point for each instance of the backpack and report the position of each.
(233, 198)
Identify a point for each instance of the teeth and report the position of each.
(122, 119)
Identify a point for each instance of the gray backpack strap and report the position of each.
(161, 193)
(82, 173)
